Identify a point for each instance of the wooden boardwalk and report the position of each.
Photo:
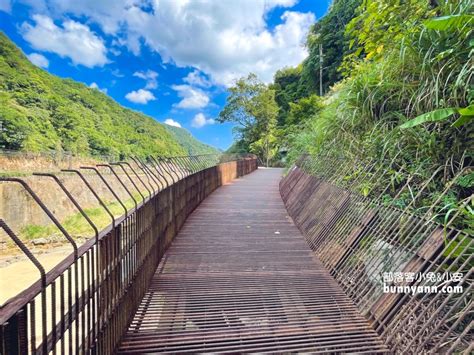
(239, 277)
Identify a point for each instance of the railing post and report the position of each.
(14, 335)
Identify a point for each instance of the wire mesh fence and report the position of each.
(408, 267)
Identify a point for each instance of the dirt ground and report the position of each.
(20, 273)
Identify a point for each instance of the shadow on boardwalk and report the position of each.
(239, 277)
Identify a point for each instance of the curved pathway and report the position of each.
(239, 277)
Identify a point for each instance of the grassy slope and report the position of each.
(39, 112)
(191, 145)
(417, 72)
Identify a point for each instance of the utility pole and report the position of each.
(320, 69)
(267, 150)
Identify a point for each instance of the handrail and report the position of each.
(107, 273)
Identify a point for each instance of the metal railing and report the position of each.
(409, 274)
(85, 303)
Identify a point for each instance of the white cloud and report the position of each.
(5, 6)
(223, 39)
(140, 97)
(191, 97)
(95, 86)
(150, 77)
(73, 40)
(171, 122)
(200, 121)
(283, 3)
(38, 60)
(197, 79)
(107, 13)
(117, 73)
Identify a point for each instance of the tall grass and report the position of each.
(426, 70)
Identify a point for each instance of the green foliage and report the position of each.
(304, 109)
(237, 147)
(33, 231)
(330, 33)
(241, 102)
(288, 88)
(40, 112)
(383, 24)
(265, 113)
(76, 225)
(466, 116)
(466, 181)
(449, 22)
(409, 75)
(433, 116)
(251, 104)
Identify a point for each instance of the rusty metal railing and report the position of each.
(84, 304)
(408, 267)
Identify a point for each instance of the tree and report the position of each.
(304, 109)
(240, 103)
(330, 33)
(382, 24)
(251, 104)
(288, 88)
(265, 112)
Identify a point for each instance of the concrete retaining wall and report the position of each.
(18, 209)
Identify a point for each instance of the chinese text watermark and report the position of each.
(435, 282)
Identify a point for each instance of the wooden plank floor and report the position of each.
(239, 277)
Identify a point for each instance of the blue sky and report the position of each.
(169, 59)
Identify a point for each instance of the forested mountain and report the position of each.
(40, 112)
(189, 143)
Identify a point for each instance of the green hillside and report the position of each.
(189, 143)
(40, 112)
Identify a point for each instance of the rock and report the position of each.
(57, 238)
(40, 241)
